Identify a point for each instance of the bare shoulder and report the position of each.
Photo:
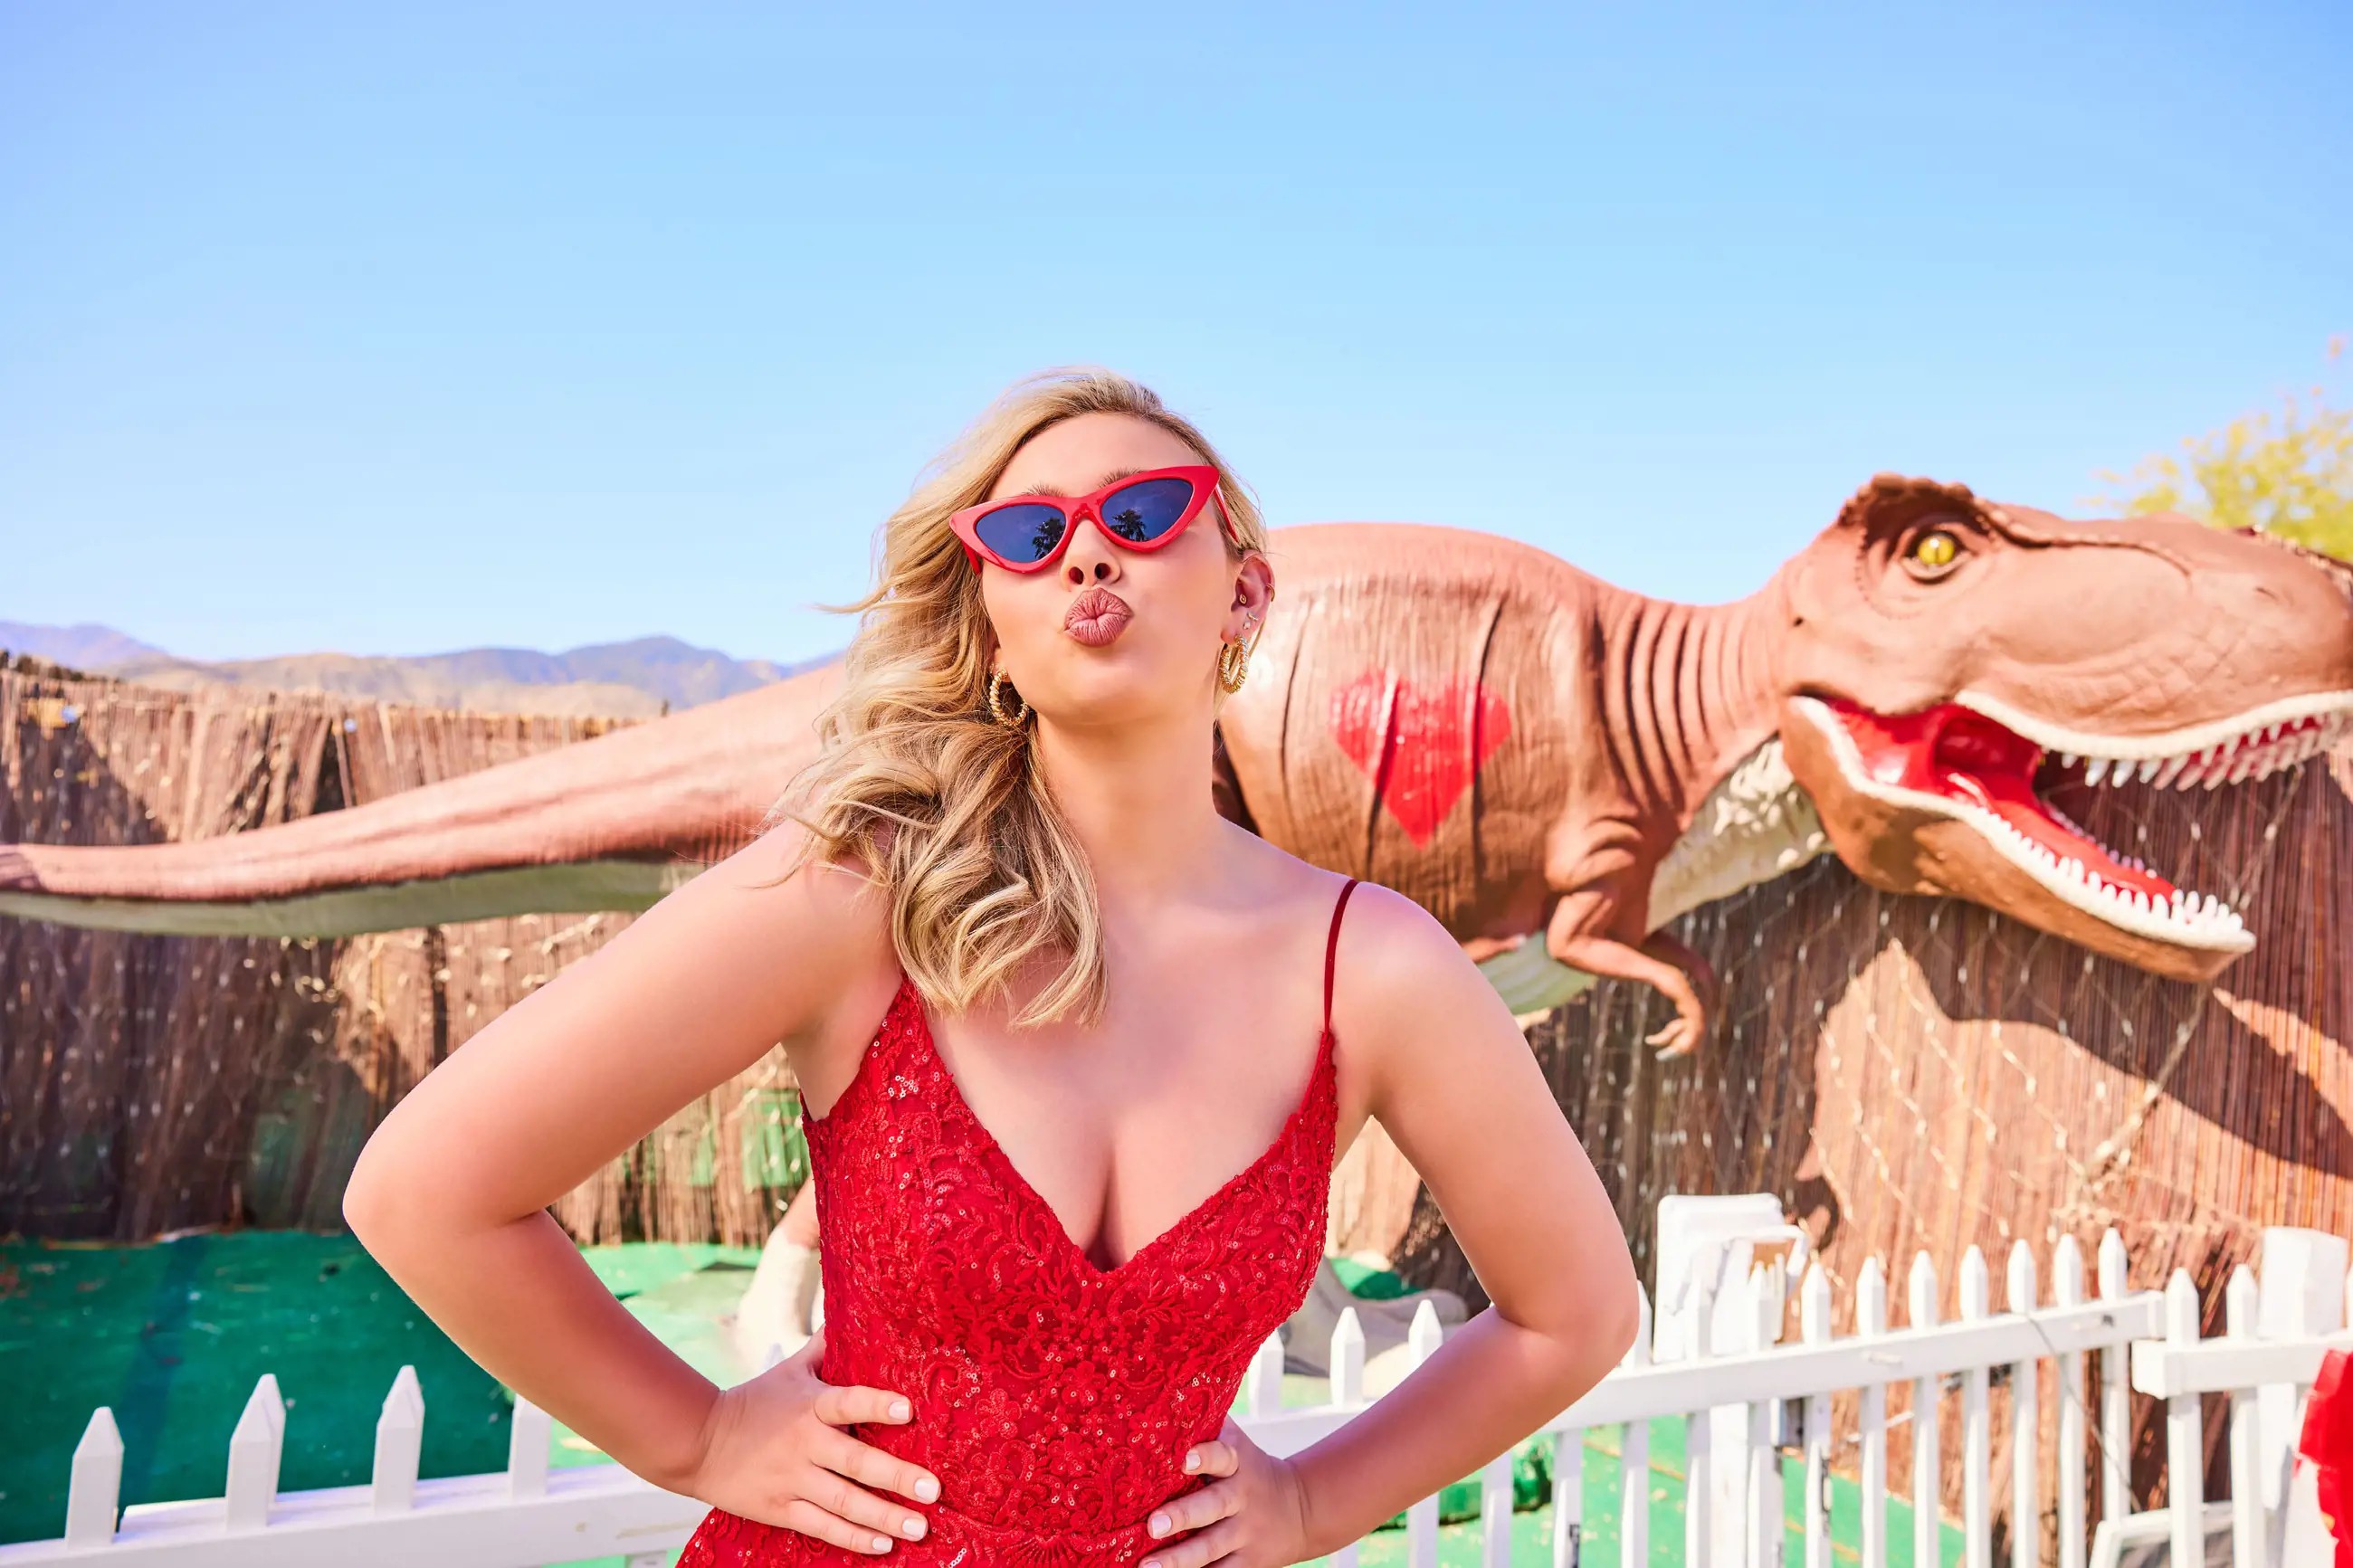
(1394, 944)
(783, 856)
(1387, 943)
(1399, 974)
(809, 934)
(1382, 927)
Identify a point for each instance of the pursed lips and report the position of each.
(1097, 616)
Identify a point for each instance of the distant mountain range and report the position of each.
(85, 646)
(627, 680)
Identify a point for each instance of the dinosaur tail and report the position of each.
(608, 824)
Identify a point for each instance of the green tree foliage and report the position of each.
(2290, 474)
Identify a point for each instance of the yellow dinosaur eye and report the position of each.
(1935, 550)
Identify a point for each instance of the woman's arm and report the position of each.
(1452, 1082)
(451, 1192)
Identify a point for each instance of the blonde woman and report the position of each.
(1077, 1054)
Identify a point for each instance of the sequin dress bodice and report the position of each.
(1053, 1398)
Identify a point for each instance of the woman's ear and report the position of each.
(1253, 593)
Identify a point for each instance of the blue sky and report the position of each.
(401, 329)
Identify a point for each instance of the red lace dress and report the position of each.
(1054, 1399)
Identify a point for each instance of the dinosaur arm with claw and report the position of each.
(1553, 766)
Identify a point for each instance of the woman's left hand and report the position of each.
(1254, 1516)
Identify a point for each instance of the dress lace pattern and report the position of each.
(1053, 1398)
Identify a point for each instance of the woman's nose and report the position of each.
(1091, 557)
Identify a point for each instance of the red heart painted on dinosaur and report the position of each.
(1421, 746)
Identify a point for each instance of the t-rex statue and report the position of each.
(1524, 750)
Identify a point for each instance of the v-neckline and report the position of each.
(1021, 1190)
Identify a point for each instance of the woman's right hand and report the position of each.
(772, 1450)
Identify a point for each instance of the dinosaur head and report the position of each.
(1946, 663)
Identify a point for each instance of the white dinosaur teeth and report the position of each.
(2174, 914)
(2256, 752)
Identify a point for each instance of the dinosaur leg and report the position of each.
(1670, 949)
(1576, 938)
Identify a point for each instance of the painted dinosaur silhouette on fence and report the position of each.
(1553, 766)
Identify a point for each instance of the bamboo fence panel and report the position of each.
(150, 1084)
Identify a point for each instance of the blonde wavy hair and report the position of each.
(944, 804)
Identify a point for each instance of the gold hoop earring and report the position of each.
(997, 703)
(1233, 661)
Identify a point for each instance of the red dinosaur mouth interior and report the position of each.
(1990, 774)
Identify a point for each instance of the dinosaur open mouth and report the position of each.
(1977, 761)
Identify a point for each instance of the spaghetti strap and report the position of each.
(1332, 948)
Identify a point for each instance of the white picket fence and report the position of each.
(1740, 1402)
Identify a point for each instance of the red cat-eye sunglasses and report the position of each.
(1138, 512)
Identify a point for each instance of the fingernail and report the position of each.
(901, 1410)
(1159, 1524)
(1193, 1461)
(882, 1544)
(928, 1488)
(913, 1529)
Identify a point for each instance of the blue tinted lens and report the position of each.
(1147, 508)
(1023, 534)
